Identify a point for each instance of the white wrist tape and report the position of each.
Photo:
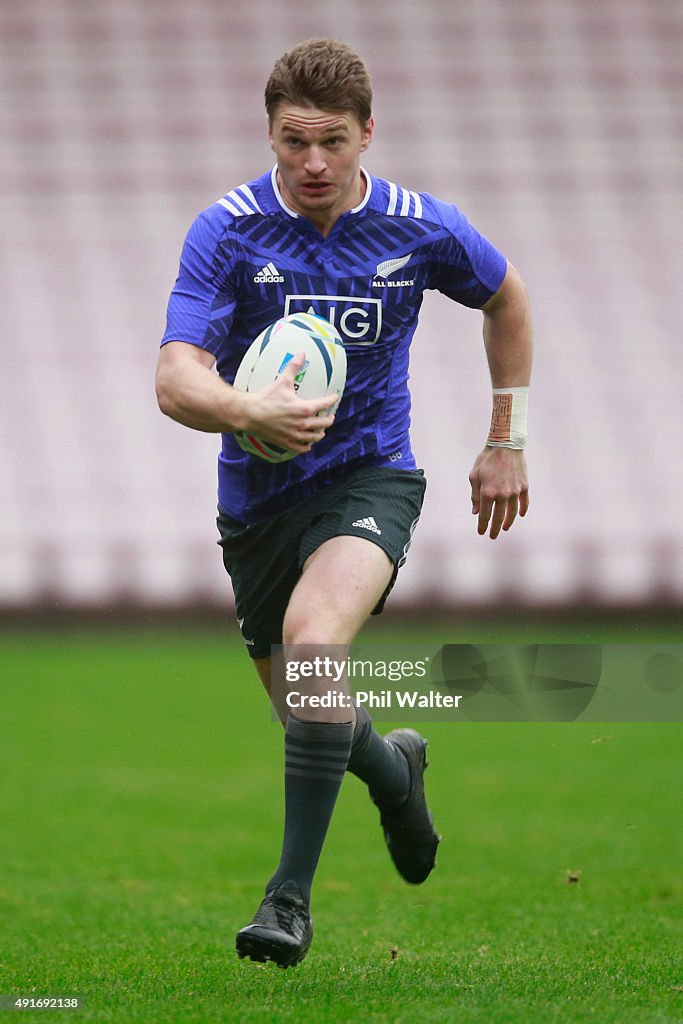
(509, 418)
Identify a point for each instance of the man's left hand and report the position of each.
(500, 488)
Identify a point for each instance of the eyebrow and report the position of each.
(331, 130)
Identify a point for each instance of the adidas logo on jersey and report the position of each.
(368, 523)
(387, 267)
(269, 275)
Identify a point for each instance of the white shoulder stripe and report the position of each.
(406, 198)
(228, 206)
(237, 204)
(236, 198)
(250, 196)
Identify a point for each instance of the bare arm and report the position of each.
(507, 333)
(499, 479)
(191, 393)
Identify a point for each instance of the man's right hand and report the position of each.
(278, 415)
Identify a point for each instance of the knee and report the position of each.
(312, 627)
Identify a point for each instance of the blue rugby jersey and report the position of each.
(248, 260)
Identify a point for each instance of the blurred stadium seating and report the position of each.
(555, 125)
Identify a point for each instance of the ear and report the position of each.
(367, 134)
(269, 123)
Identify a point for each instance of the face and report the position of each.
(318, 159)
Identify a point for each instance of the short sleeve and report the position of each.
(468, 268)
(202, 304)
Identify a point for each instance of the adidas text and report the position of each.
(269, 275)
(368, 523)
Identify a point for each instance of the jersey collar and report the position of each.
(292, 213)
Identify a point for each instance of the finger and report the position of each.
(511, 512)
(300, 445)
(319, 422)
(311, 435)
(498, 517)
(524, 503)
(485, 509)
(474, 484)
(318, 406)
(293, 367)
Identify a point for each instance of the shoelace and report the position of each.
(289, 914)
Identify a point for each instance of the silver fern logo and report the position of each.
(388, 267)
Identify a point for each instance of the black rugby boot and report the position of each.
(408, 828)
(281, 930)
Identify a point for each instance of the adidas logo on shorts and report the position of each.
(368, 523)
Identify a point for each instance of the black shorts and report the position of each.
(265, 560)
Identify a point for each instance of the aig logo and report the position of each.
(358, 320)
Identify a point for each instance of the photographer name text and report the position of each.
(380, 699)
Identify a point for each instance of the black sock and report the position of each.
(376, 762)
(316, 755)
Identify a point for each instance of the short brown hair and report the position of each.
(323, 73)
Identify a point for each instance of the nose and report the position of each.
(315, 160)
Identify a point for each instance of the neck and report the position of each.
(326, 219)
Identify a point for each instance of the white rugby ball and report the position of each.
(323, 372)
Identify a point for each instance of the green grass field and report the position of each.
(141, 808)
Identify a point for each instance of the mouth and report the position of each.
(315, 188)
